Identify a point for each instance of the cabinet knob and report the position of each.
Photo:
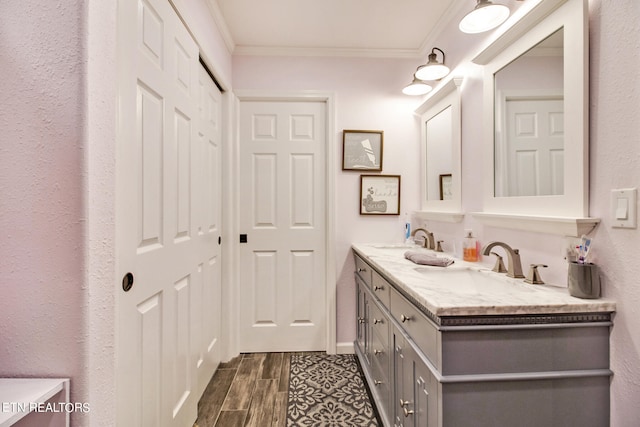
(376, 321)
(361, 320)
(407, 412)
(362, 270)
(404, 318)
(403, 403)
(377, 352)
(377, 382)
(378, 288)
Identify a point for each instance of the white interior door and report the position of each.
(535, 147)
(207, 199)
(282, 199)
(167, 220)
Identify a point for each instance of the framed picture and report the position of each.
(379, 194)
(362, 150)
(445, 187)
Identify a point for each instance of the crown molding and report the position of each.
(221, 24)
(327, 52)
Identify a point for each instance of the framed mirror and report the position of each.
(529, 122)
(535, 134)
(440, 122)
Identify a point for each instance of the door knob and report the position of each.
(127, 282)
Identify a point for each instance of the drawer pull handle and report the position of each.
(378, 288)
(404, 318)
(377, 352)
(377, 382)
(407, 412)
(376, 321)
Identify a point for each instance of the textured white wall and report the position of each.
(43, 304)
(615, 163)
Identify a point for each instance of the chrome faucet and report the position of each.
(429, 240)
(514, 267)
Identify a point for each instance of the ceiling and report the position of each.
(374, 28)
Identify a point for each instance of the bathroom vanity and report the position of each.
(464, 346)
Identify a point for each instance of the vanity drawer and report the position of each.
(363, 270)
(379, 323)
(421, 330)
(381, 288)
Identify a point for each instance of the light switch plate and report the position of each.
(623, 208)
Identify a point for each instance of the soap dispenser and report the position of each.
(469, 247)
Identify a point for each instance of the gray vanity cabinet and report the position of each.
(372, 342)
(500, 370)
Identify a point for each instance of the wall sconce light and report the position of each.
(484, 17)
(432, 70)
(416, 87)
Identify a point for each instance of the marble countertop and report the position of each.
(471, 289)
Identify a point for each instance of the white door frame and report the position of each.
(330, 286)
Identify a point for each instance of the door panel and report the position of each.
(535, 147)
(167, 221)
(282, 199)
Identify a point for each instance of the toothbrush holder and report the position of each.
(584, 280)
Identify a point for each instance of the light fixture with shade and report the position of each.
(484, 17)
(416, 87)
(432, 70)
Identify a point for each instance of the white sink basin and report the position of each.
(396, 246)
(468, 280)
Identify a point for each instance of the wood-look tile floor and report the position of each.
(250, 390)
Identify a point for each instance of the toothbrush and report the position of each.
(586, 246)
(584, 249)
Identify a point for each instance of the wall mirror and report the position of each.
(440, 122)
(535, 134)
(529, 122)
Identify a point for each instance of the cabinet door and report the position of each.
(362, 319)
(425, 410)
(402, 381)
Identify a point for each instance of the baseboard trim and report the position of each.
(344, 348)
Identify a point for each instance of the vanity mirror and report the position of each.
(440, 122)
(529, 122)
(536, 121)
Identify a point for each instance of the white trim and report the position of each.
(230, 246)
(572, 15)
(218, 18)
(561, 226)
(345, 348)
(343, 52)
(440, 216)
(330, 170)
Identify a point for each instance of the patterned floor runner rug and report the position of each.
(328, 391)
